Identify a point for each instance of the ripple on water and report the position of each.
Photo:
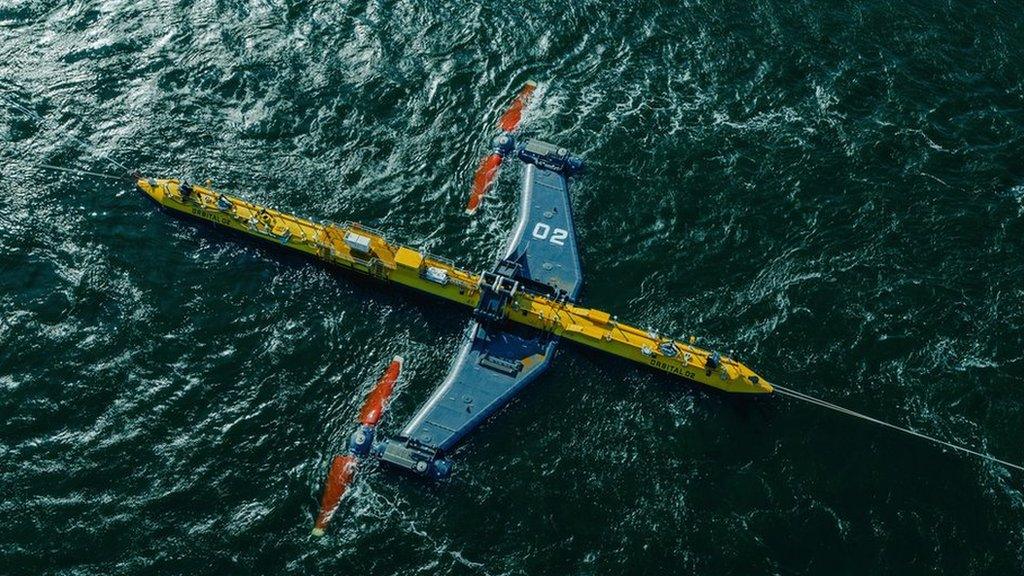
(832, 193)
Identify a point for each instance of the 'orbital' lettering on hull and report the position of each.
(673, 369)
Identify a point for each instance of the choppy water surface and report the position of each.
(833, 190)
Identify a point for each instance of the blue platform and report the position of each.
(498, 358)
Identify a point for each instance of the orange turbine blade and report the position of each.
(343, 468)
(483, 180)
(378, 398)
(510, 120)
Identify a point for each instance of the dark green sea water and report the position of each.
(835, 190)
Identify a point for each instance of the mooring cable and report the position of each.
(48, 123)
(825, 404)
(77, 171)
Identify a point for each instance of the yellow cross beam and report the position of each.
(367, 251)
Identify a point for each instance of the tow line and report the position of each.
(825, 404)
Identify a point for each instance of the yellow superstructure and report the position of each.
(367, 251)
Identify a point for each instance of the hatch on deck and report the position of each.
(408, 258)
(598, 316)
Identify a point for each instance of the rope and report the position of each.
(82, 172)
(819, 402)
(49, 124)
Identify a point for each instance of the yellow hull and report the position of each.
(408, 267)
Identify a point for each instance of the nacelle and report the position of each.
(550, 157)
